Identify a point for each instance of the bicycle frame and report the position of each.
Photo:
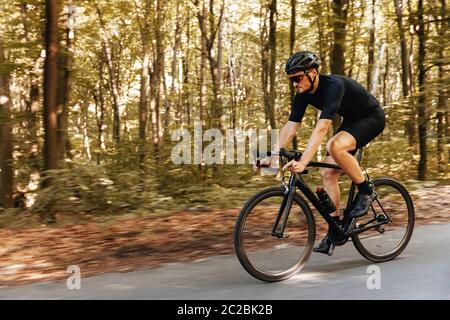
(339, 234)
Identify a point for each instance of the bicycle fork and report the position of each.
(285, 209)
(283, 212)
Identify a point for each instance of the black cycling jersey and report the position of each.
(336, 95)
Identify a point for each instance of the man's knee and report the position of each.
(334, 146)
(341, 142)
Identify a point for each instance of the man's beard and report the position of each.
(300, 91)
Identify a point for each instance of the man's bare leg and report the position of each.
(340, 147)
(330, 178)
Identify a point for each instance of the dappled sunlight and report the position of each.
(93, 95)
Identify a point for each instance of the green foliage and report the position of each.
(92, 188)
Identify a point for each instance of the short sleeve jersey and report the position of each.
(335, 95)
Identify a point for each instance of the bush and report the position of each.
(91, 188)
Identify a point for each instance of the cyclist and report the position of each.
(363, 120)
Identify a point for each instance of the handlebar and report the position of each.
(289, 155)
(294, 154)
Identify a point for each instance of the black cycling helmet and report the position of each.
(301, 61)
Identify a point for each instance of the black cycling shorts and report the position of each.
(364, 129)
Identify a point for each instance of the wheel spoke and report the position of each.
(264, 255)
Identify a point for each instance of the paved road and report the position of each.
(421, 272)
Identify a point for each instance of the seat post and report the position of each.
(359, 155)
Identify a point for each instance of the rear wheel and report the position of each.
(267, 257)
(388, 240)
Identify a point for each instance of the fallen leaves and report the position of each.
(34, 254)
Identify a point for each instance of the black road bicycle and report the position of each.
(275, 231)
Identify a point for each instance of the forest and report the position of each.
(92, 91)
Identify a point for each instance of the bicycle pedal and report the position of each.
(380, 229)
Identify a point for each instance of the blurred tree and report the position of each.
(50, 85)
(442, 113)
(337, 58)
(422, 101)
(65, 62)
(292, 38)
(6, 148)
(371, 54)
(268, 57)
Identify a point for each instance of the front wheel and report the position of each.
(386, 242)
(263, 255)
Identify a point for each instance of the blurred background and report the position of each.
(90, 93)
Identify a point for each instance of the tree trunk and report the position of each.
(322, 35)
(6, 149)
(186, 96)
(338, 48)
(385, 80)
(154, 112)
(233, 83)
(203, 59)
(215, 63)
(143, 97)
(65, 61)
(421, 106)
(33, 103)
(442, 93)
(356, 34)
(143, 101)
(159, 69)
(403, 48)
(291, 49)
(113, 78)
(273, 55)
(376, 71)
(218, 105)
(50, 84)
(176, 47)
(371, 56)
(267, 49)
(411, 48)
(409, 124)
(85, 128)
(100, 114)
(264, 50)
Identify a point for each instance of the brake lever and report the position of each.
(259, 165)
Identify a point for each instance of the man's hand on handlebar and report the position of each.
(267, 162)
(294, 166)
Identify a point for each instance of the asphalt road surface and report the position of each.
(422, 271)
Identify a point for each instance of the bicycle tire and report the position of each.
(241, 253)
(363, 248)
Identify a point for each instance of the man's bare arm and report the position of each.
(287, 133)
(315, 140)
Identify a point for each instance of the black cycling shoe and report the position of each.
(362, 204)
(324, 246)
